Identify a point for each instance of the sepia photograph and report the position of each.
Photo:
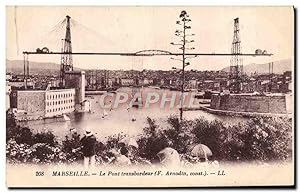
(150, 96)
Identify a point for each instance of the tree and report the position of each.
(184, 20)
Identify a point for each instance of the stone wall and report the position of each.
(32, 103)
(247, 103)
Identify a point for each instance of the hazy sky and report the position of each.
(131, 29)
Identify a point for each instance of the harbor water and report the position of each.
(129, 121)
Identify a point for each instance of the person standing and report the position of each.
(88, 149)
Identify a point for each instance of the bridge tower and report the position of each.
(236, 61)
(66, 64)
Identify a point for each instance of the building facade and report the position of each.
(127, 81)
(7, 96)
(39, 104)
(76, 79)
(59, 102)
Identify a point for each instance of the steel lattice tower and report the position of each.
(66, 57)
(236, 62)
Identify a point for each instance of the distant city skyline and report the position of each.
(263, 68)
(118, 29)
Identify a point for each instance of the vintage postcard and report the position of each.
(191, 96)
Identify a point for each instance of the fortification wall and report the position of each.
(31, 102)
(247, 103)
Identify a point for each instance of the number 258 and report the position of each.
(39, 173)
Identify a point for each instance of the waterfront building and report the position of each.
(147, 81)
(7, 101)
(274, 103)
(39, 104)
(192, 84)
(8, 76)
(21, 84)
(59, 102)
(76, 80)
(127, 81)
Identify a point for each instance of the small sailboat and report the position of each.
(133, 118)
(105, 114)
(66, 118)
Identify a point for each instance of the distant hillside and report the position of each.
(34, 67)
(278, 68)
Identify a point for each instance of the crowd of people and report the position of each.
(123, 155)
